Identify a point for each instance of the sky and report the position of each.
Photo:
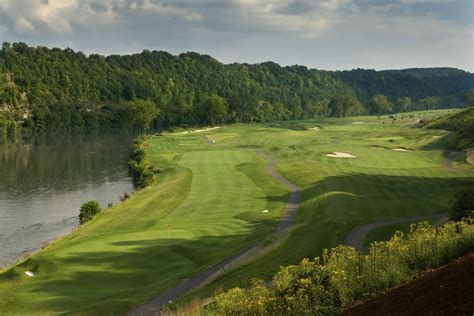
(325, 34)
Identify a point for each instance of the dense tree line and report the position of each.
(55, 89)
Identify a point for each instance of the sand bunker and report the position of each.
(265, 211)
(373, 147)
(29, 273)
(201, 130)
(336, 154)
(314, 128)
(401, 149)
(357, 122)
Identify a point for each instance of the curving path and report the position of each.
(356, 237)
(154, 306)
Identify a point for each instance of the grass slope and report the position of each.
(462, 124)
(202, 209)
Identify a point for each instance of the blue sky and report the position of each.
(326, 34)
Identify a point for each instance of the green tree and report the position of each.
(379, 104)
(214, 110)
(429, 103)
(144, 111)
(469, 98)
(403, 104)
(88, 211)
(463, 205)
(344, 106)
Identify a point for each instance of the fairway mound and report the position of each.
(337, 154)
(448, 290)
(401, 149)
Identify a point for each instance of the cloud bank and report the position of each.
(326, 34)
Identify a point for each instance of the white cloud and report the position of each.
(24, 26)
(330, 34)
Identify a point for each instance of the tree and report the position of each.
(403, 104)
(88, 211)
(345, 106)
(379, 104)
(144, 111)
(469, 98)
(214, 110)
(429, 103)
(463, 205)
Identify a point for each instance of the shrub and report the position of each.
(88, 211)
(345, 276)
(463, 205)
(139, 166)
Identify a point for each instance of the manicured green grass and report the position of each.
(340, 194)
(208, 204)
(203, 208)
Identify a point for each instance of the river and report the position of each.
(44, 182)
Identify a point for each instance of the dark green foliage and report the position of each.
(469, 98)
(88, 211)
(65, 90)
(463, 205)
(379, 104)
(344, 106)
(139, 166)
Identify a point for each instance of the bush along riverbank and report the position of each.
(343, 276)
(139, 166)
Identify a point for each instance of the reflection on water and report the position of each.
(44, 182)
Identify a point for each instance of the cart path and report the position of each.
(356, 237)
(287, 219)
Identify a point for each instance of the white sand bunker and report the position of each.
(29, 273)
(373, 147)
(357, 122)
(265, 211)
(401, 149)
(337, 154)
(314, 128)
(201, 130)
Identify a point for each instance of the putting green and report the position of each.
(202, 210)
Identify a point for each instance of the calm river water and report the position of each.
(44, 183)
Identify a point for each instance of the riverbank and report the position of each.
(43, 182)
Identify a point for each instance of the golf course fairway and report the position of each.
(210, 201)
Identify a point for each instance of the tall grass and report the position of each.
(343, 276)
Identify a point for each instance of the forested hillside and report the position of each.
(53, 89)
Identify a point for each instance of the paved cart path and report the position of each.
(356, 237)
(153, 306)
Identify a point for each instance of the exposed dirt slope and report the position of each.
(448, 290)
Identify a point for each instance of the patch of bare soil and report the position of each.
(448, 290)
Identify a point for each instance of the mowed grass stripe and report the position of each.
(200, 211)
